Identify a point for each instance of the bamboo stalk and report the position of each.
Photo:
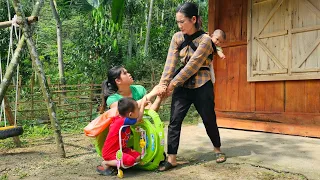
(15, 59)
(59, 44)
(42, 77)
(32, 91)
(91, 97)
(30, 19)
(148, 29)
(79, 94)
(11, 69)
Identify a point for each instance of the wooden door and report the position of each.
(306, 37)
(284, 40)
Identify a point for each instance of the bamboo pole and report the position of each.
(6, 24)
(58, 94)
(56, 16)
(79, 94)
(11, 69)
(148, 29)
(42, 78)
(91, 97)
(15, 59)
(32, 94)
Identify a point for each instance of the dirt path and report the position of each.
(39, 161)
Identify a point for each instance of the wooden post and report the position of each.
(91, 97)
(59, 96)
(32, 94)
(79, 93)
(10, 118)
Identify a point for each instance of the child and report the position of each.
(129, 114)
(217, 38)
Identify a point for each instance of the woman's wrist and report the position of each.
(147, 97)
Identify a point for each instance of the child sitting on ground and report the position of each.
(129, 114)
(217, 38)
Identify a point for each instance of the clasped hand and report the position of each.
(163, 90)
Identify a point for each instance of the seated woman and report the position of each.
(119, 85)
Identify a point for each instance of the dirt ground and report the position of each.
(39, 161)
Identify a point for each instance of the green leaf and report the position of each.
(117, 10)
(115, 43)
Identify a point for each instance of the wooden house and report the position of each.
(270, 79)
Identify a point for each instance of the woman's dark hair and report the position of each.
(189, 10)
(109, 86)
(126, 105)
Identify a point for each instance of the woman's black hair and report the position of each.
(189, 10)
(109, 86)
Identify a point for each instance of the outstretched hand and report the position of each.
(221, 55)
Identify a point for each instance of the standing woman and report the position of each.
(191, 83)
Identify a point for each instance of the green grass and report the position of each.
(4, 177)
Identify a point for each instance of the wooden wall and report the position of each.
(289, 103)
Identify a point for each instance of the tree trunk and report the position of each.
(148, 29)
(162, 14)
(157, 13)
(42, 78)
(59, 43)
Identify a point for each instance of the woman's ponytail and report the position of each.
(199, 22)
(109, 86)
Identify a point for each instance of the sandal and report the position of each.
(220, 157)
(106, 172)
(164, 159)
(166, 166)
